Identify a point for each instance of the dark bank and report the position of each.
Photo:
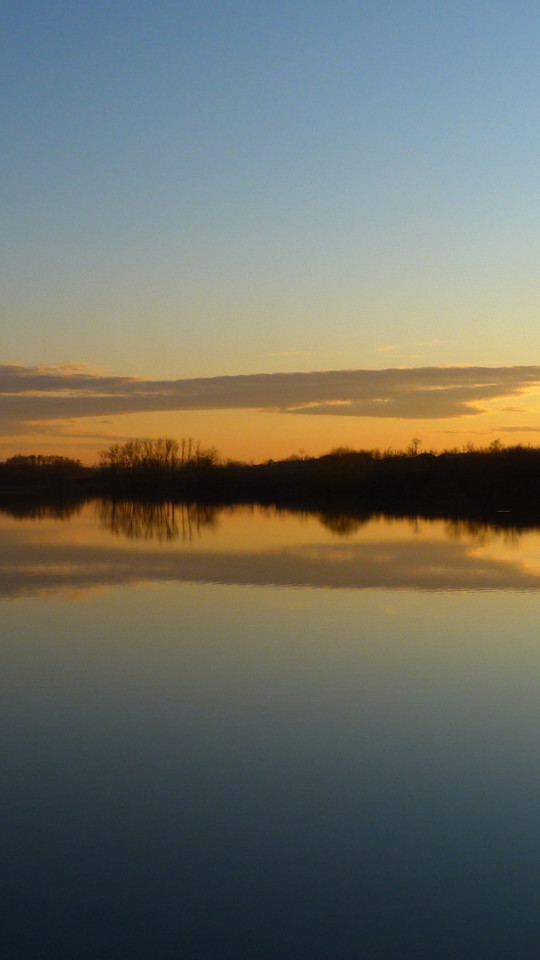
(494, 484)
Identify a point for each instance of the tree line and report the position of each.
(156, 456)
(468, 482)
(42, 466)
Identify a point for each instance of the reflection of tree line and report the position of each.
(167, 520)
(345, 525)
(482, 533)
(27, 509)
(159, 520)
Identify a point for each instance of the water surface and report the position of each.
(249, 734)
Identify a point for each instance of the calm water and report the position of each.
(244, 734)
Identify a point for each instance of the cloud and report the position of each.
(291, 353)
(34, 395)
(517, 430)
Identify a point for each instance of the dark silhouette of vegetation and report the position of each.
(494, 482)
(38, 486)
(161, 456)
(38, 469)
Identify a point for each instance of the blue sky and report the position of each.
(199, 189)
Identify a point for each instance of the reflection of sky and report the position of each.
(260, 547)
(280, 764)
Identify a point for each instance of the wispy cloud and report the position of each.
(35, 395)
(518, 429)
(291, 353)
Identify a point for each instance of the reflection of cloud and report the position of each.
(426, 565)
(35, 394)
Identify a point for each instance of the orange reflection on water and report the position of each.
(109, 543)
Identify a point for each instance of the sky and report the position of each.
(278, 227)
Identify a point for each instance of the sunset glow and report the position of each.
(276, 227)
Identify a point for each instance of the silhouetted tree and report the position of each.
(159, 455)
(39, 466)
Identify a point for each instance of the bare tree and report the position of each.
(158, 455)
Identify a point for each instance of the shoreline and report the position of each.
(501, 487)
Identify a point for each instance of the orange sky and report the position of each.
(463, 405)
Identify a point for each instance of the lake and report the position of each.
(248, 733)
